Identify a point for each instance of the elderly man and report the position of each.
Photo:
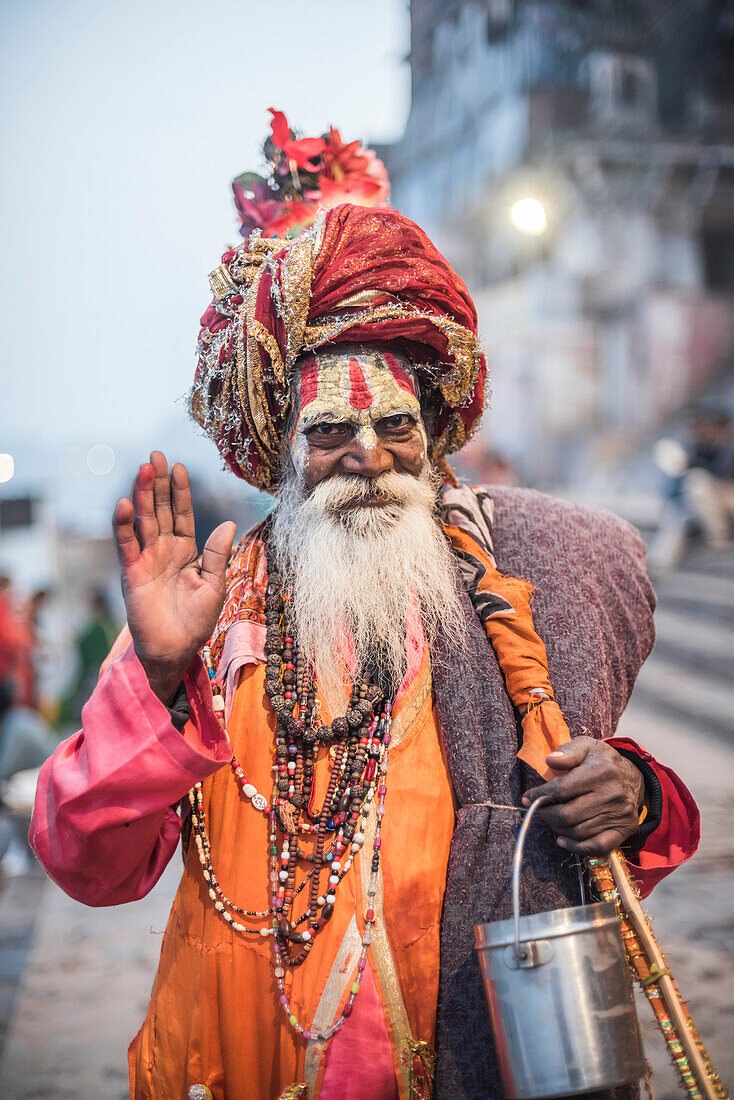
(378, 688)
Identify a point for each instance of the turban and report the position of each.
(357, 275)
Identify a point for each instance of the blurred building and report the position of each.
(605, 295)
(28, 540)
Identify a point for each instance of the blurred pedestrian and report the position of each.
(29, 655)
(487, 466)
(15, 645)
(26, 741)
(92, 644)
(7, 630)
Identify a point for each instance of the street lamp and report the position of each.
(7, 467)
(529, 216)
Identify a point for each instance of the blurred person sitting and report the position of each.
(709, 479)
(698, 492)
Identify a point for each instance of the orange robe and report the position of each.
(214, 1016)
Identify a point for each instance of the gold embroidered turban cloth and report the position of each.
(357, 275)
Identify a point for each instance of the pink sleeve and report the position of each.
(104, 823)
(677, 836)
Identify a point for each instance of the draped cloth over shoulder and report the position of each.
(503, 606)
(593, 606)
(357, 275)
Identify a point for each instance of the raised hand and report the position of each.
(173, 598)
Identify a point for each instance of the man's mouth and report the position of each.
(368, 502)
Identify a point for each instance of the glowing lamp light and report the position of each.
(100, 459)
(529, 216)
(7, 467)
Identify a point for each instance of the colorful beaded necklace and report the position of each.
(358, 744)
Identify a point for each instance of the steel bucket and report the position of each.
(560, 997)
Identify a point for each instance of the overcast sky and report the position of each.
(123, 124)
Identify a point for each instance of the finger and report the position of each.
(563, 788)
(571, 754)
(216, 552)
(615, 822)
(599, 823)
(162, 492)
(128, 549)
(183, 511)
(600, 845)
(145, 519)
(562, 759)
(564, 817)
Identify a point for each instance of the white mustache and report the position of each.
(342, 490)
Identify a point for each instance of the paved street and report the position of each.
(74, 982)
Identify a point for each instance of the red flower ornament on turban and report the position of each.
(357, 275)
(304, 175)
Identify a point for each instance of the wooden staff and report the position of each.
(697, 1074)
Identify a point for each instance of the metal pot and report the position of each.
(560, 997)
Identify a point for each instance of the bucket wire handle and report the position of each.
(521, 952)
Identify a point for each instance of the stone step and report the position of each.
(697, 585)
(708, 638)
(716, 666)
(696, 609)
(703, 702)
(699, 644)
(718, 563)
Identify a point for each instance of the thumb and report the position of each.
(569, 755)
(217, 550)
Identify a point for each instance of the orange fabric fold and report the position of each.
(521, 655)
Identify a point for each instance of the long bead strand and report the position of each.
(359, 744)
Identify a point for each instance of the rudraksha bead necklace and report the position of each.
(358, 744)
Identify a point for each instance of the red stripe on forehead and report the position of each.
(360, 396)
(399, 373)
(309, 380)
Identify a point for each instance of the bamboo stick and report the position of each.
(684, 1044)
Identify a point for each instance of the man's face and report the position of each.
(355, 527)
(357, 414)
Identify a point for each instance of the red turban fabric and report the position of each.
(358, 275)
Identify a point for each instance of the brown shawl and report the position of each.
(593, 609)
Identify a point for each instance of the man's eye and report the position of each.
(401, 420)
(325, 430)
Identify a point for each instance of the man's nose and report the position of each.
(370, 459)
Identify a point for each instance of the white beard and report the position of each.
(354, 571)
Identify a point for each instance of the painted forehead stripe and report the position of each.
(360, 395)
(399, 373)
(309, 381)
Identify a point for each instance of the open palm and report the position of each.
(173, 597)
